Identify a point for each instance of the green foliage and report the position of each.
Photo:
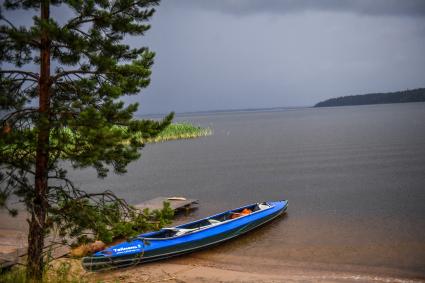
(181, 131)
(86, 221)
(58, 274)
(15, 275)
(173, 131)
(85, 70)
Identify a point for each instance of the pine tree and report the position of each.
(70, 110)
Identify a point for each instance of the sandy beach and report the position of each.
(191, 268)
(216, 265)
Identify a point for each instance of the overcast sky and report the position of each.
(234, 54)
(237, 54)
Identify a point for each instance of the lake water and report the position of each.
(354, 178)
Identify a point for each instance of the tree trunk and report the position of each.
(39, 207)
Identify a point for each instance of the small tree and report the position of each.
(84, 68)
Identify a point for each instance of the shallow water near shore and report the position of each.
(354, 178)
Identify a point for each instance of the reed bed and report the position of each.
(174, 131)
(183, 130)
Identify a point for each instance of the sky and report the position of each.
(239, 54)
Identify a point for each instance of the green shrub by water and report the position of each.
(61, 273)
(181, 131)
(174, 131)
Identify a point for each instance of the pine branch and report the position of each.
(8, 22)
(18, 113)
(74, 72)
(27, 73)
(77, 21)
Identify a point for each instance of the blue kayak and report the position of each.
(185, 238)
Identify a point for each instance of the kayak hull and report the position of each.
(147, 249)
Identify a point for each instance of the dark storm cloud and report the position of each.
(268, 53)
(371, 7)
(233, 54)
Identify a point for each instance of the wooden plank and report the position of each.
(176, 203)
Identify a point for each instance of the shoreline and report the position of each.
(214, 265)
(192, 269)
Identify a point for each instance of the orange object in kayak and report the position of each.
(246, 211)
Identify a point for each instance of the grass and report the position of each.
(61, 271)
(183, 130)
(174, 131)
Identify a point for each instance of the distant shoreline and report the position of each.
(383, 98)
(406, 96)
(225, 111)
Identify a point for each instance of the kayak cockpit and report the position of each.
(206, 223)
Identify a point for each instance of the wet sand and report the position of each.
(239, 269)
(192, 268)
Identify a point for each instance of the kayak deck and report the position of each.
(185, 238)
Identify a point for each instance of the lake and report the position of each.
(354, 178)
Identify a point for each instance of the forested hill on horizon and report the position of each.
(414, 95)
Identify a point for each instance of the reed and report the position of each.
(174, 131)
(183, 130)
